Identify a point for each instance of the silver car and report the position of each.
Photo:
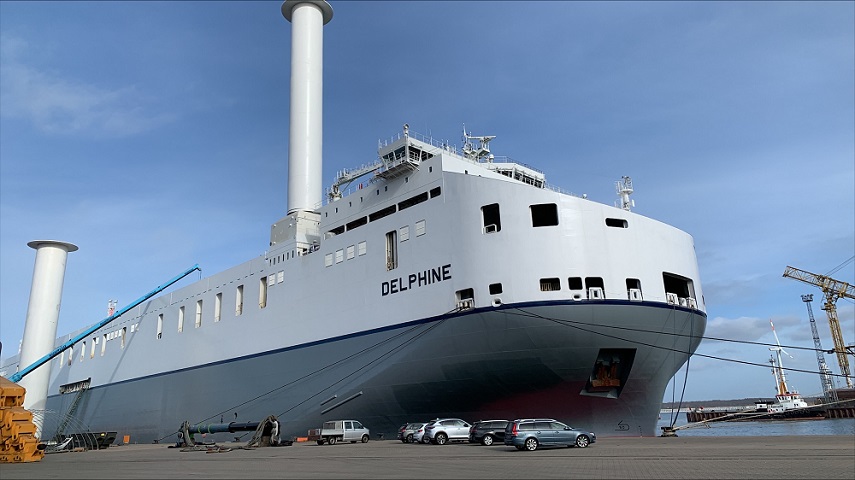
(444, 430)
(408, 432)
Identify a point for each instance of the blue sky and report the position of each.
(154, 135)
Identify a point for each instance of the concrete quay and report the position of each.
(826, 457)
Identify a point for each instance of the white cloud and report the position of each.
(60, 106)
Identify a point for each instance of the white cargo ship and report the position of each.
(433, 281)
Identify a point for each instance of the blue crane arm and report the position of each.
(56, 351)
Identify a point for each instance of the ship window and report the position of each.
(392, 250)
(271, 280)
(575, 283)
(351, 252)
(94, 342)
(262, 292)
(70, 354)
(362, 248)
(181, 319)
(103, 344)
(218, 306)
(544, 215)
(404, 233)
(337, 230)
(124, 335)
(198, 313)
(339, 255)
(382, 213)
(83, 351)
(678, 285)
(550, 284)
(491, 219)
(420, 228)
(617, 222)
(495, 288)
(280, 276)
(596, 288)
(633, 289)
(328, 260)
(435, 192)
(160, 325)
(423, 197)
(239, 300)
(357, 223)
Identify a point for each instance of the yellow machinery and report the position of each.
(18, 440)
(832, 290)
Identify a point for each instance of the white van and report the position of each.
(343, 431)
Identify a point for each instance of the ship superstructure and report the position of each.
(434, 282)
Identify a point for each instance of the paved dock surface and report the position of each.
(802, 457)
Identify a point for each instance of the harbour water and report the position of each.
(829, 426)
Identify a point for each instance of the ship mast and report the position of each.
(778, 368)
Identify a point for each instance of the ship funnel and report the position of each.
(305, 150)
(42, 316)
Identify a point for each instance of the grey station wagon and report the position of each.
(530, 433)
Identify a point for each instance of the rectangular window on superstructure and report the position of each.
(198, 313)
(351, 252)
(550, 284)
(160, 325)
(239, 300)
(361, 248)
(83, 352)
(328, 260)
(94, 342)
(262, 292)
(70, 354)
(420, 228)
(633, 289)
(404, 233)
(218, 306)
(385, 212)
(617, 223)
(492, 221)
(544, 215)
(392, 250)
(181, 319)
(596, 288)
(103, 344)
(339, 255)
(124, 333)
(435, 192)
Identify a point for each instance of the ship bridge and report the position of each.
(404, 152)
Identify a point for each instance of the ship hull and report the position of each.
(528, 360)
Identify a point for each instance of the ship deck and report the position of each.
(643, 457)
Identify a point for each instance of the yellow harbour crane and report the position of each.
(831, 290)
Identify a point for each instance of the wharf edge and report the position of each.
(616, 457)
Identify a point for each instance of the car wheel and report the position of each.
(487, 440)
(531, 444)
(441, 438)
(409, 438)
(365, 439)
(425, 440)
(582, 441)
(331, 440)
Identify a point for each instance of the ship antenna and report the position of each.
(624, 190)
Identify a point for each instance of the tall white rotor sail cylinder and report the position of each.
(42, 317)
(305, 150)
